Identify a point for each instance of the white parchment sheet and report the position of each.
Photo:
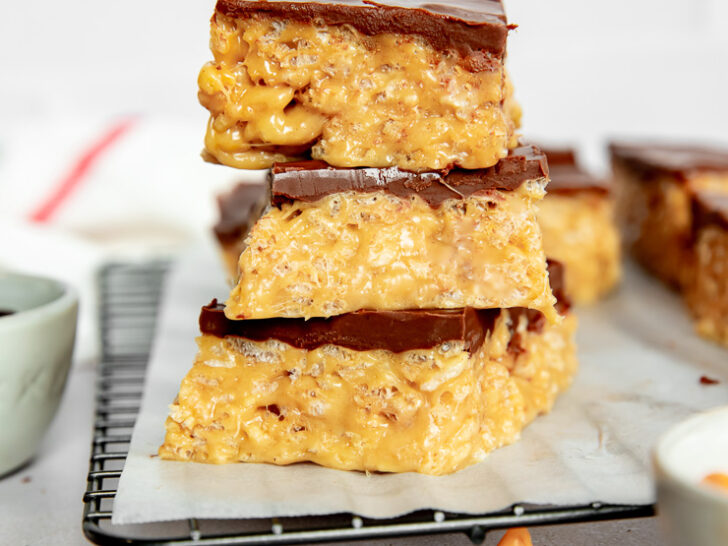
(640, 372)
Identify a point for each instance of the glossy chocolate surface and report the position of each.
(477, 29)
(649, 160)
(311, 180)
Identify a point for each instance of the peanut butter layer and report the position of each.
(706, 292)
(432, 410)
(654, 184)
(286, 83)
(578, 227)
(353, 250)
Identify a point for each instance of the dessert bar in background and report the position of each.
(338, 240)
(408, 84)
(578, 228)
(654, 184)
(238, 208)
(393, 309)
(429, 391)
(671, 203)
(706, 291)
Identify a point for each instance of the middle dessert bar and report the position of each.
(334, 241)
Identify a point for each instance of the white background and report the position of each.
(583, 70)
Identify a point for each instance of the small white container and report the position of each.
(693, 513)
(36, 346)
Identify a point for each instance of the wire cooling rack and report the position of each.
(129, 299)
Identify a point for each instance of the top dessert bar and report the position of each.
(359, 84)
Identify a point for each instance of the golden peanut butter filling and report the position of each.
(279, 89)
(433, 411)
(707, 291)
(579, 231)
(353, 250)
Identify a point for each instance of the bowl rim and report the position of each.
(675, 434)
(67, 299)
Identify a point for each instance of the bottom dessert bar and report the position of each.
(578, 228)
(428, 391)
(706, 293)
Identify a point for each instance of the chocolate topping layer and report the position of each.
(710, 208)
(236, 209)
(477, 29)
(567, 176)
(650, 160)
(311, 180)
(395, 331)
(365, 330)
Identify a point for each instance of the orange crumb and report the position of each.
(717, 479)
(518, 536)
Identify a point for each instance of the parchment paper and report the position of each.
(640, 372)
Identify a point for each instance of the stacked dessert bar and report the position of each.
(578, 227)
(394, 309)
(673, 205)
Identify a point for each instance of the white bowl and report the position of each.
(693, 513)
(36, 345)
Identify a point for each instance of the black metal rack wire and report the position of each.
(129, 299)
